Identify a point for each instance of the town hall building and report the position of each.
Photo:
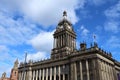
(69, 63)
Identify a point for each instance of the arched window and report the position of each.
(15, 73)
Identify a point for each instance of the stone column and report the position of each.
(46, 73)
(64, 72)
(40, 74)
(61, 40)
(43, 74)
(75, 70)
(57, 41)
(24, 75)
(96, 71)
(51, 73)
(36, 75)
(70, 40)
(81, 71)
(108, 72)
(104, 71)
(54, 43)
(55, 73)
(100, 71)
(87, 70)
(21, 76)
(114, 73)
(111, 71)
(59, 73)
(33, 75)
(67, 40)
(30, 74)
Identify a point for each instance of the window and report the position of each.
(91, 76)
(118, 75)
(15, 73)
(66, 76)
(85, 77)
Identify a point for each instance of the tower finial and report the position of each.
(64, 13)
(94, 38)
(16, 64)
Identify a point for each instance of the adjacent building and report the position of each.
(68, 63)
(14, 73)
(4, 77)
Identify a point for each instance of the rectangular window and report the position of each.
(91, 76)
(85, 77)
(118, 75)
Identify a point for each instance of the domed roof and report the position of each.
(64, 22)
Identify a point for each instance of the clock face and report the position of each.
(69, 27)
(61, 27)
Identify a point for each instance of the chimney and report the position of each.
(82, 46)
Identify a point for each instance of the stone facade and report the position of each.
(68, 63)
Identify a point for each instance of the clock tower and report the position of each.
(64, 39)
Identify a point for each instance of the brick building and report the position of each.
(14, 73)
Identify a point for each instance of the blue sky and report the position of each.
(28, 26)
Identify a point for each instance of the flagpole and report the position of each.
(25, 64)
(94, 40)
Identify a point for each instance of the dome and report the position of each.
(65, 22)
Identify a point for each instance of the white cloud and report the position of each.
(37, 56)
(113, 18)
(84, 31)
(114, 42)
(14, 32)
(112, 26)
(3, 48)
(114, 11)
(43, 41)
(99, 2)
(46, 12)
